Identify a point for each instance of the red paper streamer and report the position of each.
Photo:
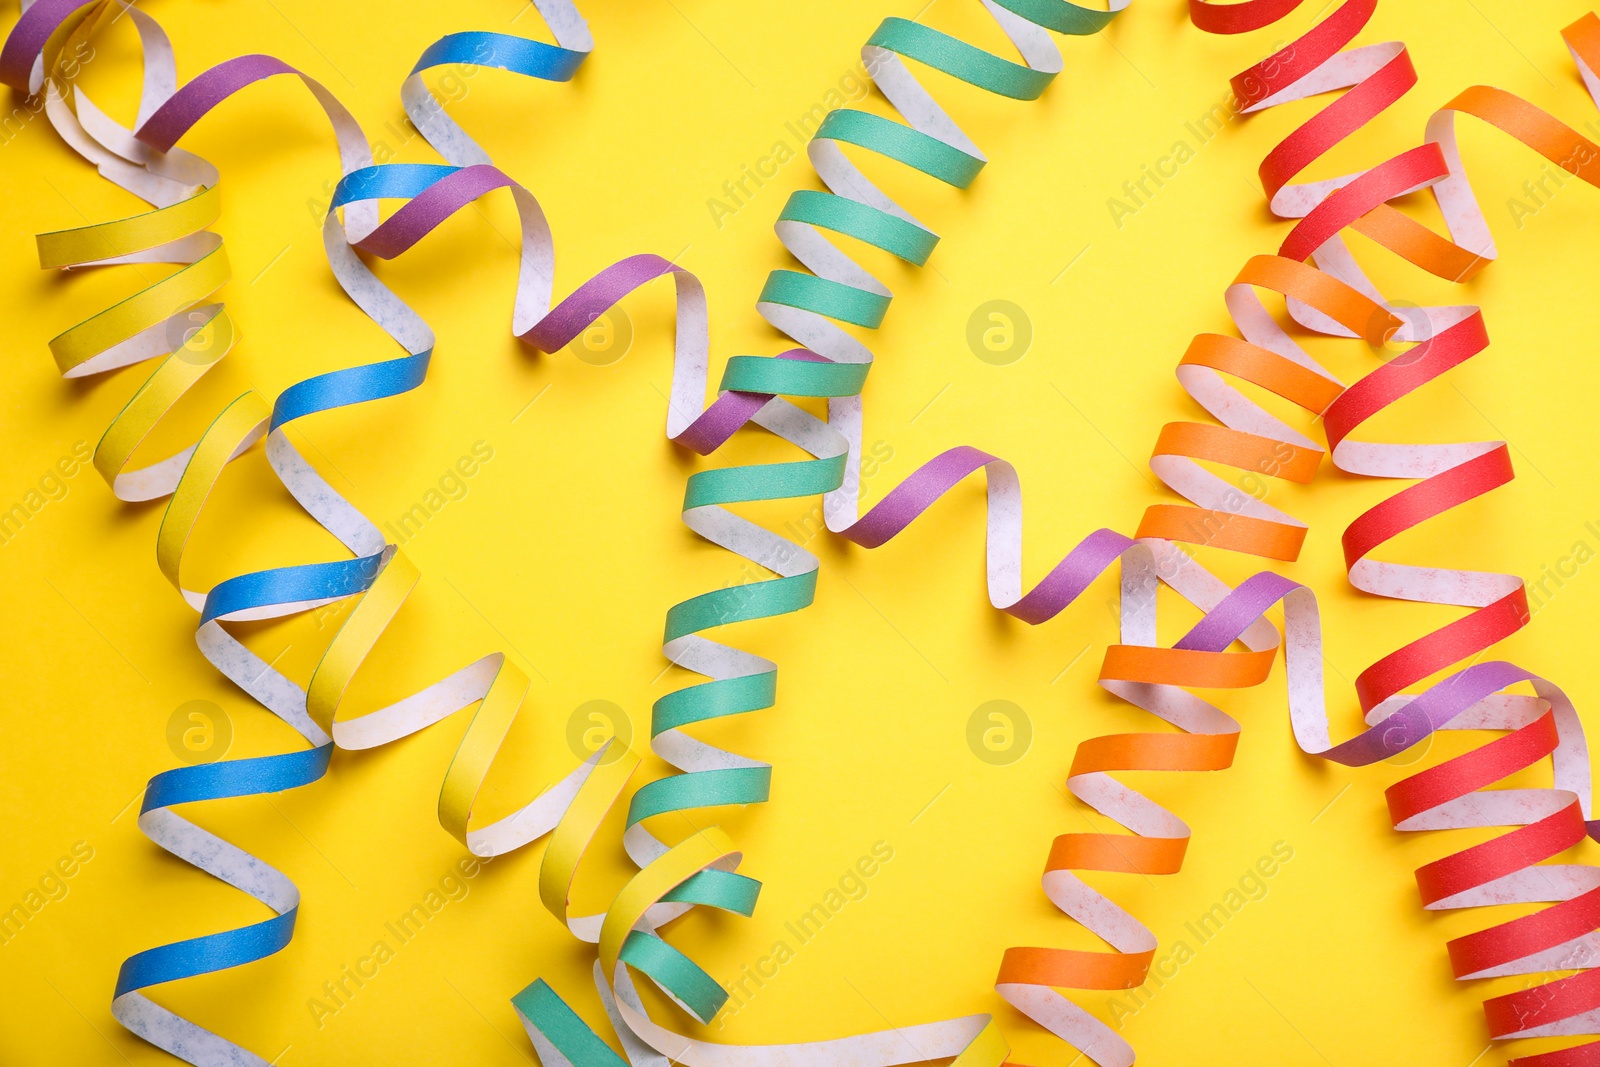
(1329, 297)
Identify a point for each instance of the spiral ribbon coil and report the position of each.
(674, 879)
(1327, 292)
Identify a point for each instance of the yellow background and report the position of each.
(567, 549)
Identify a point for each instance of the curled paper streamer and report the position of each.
(1136, 670)
(1333, 296)
(1252, 439)
(801, 304)
(1454, 794)
(700, 870)
(382, 577)
(233, 430)
(831, 364)
(504, 51)
(168, 320)
(171, 320)
(183, 190)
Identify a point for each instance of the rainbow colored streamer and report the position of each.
(176, 321)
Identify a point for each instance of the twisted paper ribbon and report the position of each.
(835, 366)
(801, 306)
(1342, 303)
(184, 190)
(1136, 670)
(167, 319)
(712, 847)
(503, 51)
(1335, 297)
(697, 871)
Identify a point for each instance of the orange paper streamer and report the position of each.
(1331, 295)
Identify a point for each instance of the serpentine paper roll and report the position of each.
(174, 320)
(674, 879)
(183, 189)
(1332, 295)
